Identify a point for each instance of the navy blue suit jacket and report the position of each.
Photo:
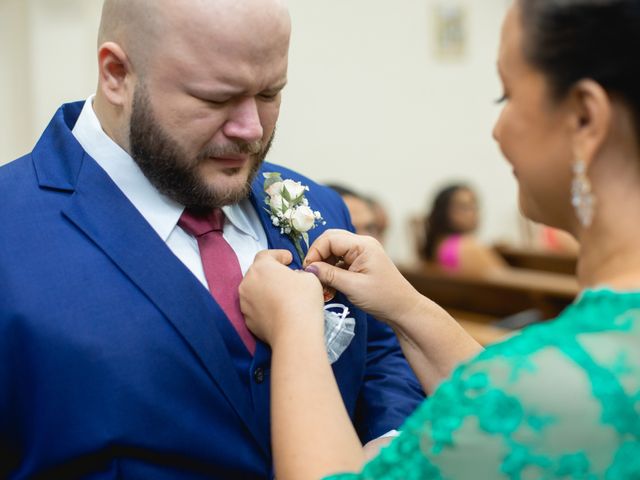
(115, 362)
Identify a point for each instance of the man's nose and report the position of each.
(244, 121)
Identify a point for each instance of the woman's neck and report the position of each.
(610, 258)
(609, 253)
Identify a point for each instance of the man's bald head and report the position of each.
(138, 26)
(134, 25)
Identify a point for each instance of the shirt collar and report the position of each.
(161, 212)
(243, 216)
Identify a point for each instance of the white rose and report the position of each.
(275, 189)
(295, 189)
(303, 219)
(275, 202)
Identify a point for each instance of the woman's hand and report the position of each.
(276, 300)
(432, 341)
(370, 279)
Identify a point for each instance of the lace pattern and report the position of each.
(559, 400)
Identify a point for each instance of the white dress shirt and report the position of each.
(242, 228)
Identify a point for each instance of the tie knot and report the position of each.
(198, 224)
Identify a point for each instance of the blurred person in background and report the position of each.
(450, 227)
(541, 237)
(381, 219)
(368, 215)
(362, 213)
(554, 240)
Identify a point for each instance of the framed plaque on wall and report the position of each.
(450, 27)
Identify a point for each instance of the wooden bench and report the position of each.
(480, 326)
(499, 294)
(531, 259)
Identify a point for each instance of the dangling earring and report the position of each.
(582, 197)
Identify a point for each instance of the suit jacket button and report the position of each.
(258, 375)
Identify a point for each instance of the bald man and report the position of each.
(122, 355)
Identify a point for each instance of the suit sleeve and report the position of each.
(390, 391)
(8, 364)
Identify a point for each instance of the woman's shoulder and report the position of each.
(474, 256)
(469, 244)
(595, 319)
(540, 396)
(554, 401)
(580, 364)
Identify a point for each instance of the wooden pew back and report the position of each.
(500, 294)
(531, 259)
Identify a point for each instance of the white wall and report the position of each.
(63, 66)
(15, 106)
(367, 104)
(47, 49)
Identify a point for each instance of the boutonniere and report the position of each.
(289, 209)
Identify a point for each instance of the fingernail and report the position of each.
(313, 269)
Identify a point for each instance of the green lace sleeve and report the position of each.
(561, 400)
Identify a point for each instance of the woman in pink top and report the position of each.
(449, 239)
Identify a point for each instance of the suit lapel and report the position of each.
(100, 210)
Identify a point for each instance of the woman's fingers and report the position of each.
(281, 256)
(335, 245)
(332, 276)
(331, 244)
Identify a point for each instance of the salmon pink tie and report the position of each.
(221, 267)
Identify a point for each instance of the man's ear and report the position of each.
(591, 119)
(115, 73)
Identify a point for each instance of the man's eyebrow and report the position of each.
(276, 88)
(222, 91)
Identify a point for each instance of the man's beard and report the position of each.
(172, 172)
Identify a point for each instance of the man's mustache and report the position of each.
(236, 148)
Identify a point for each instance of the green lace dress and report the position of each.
(560, 400)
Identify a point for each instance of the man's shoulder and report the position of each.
(14, 165)
(17, 174)
(23, 196)
(45, 160)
